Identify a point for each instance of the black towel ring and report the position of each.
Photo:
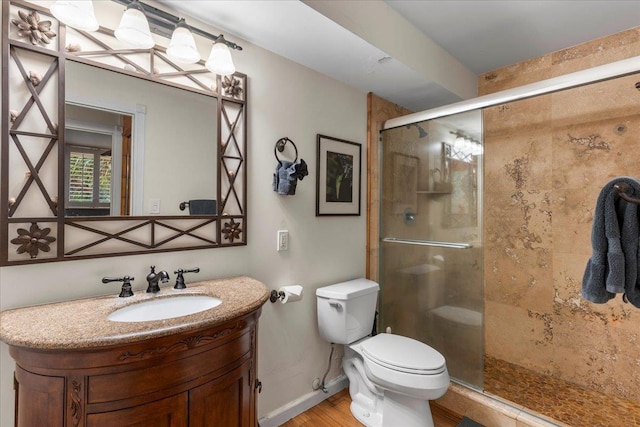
(280, 147)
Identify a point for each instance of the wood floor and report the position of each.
(334, 412)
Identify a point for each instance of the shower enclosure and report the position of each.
(486, 209)
(431, 246)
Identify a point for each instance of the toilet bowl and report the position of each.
(391, 377)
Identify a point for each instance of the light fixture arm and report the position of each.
(462, 135)
(135, 4)
(163, 23)
(231, 45)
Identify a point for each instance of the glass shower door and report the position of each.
(431, 239)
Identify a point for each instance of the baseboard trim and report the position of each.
(444, 413)
(303, 403)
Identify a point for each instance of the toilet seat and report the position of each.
(403, 365)
(403, 354)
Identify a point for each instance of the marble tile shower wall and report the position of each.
(546, 160)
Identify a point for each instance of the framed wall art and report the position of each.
(338, 169)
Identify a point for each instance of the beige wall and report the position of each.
(285, 99)
(546, 160)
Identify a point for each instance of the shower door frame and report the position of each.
(579, 78)
(600, 73)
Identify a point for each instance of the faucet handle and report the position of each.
(126, 284)
(180, 279)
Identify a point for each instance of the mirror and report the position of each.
(141, 136)
(156, 145)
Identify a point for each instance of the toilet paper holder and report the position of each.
(276, 295)
(286, 294)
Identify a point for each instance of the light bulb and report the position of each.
(134, 28)
(459, 142)
(220, 61)
(182, 47)
(78, 14)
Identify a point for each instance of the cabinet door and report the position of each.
(169, 412)
(39, 399)
(225, 401)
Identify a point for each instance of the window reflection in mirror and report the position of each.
(97, 162)
(132, 145)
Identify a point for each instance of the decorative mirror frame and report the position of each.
(41, 238)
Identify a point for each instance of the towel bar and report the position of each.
(434, 243)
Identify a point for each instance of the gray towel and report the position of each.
(284, 182)
(285, 179)
(202, 207)
(613, 266)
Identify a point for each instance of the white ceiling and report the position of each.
(475, 36)
(486, 35)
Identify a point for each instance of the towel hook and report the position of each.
(279, 147)
(621, 188)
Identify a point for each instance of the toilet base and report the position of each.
(398, 410)
(384, 405)
(364, 415)
(374, 406)
(401, 410)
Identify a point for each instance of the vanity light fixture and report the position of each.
(182, 47)
(220, 61)
(134, 27)
(78, 14)
(459, 142)
(464, 147)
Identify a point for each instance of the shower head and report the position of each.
(421, 132)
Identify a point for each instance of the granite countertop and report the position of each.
(82, 324)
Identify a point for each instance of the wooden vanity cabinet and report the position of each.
(204, 377)
(220, 402)
(169, 412)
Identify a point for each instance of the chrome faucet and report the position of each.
(153, 279)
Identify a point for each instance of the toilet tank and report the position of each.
(346, 310)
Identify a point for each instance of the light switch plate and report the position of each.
(283, 240)
(154, 206)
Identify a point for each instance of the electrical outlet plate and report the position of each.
(154, 206)
(283, 240)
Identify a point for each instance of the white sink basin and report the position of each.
(164, 308)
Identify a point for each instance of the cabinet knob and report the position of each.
(259, 386)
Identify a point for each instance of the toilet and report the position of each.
(391, 377)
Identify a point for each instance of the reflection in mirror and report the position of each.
(168, 157)
(97, 162)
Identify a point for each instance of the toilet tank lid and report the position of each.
(348, 290)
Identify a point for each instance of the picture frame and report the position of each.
(338, 177)
(405, 183)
